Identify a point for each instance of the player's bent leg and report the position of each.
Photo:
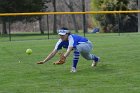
(95, 61)
(91, 57)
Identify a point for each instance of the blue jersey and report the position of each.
(61, 44)
(73, 40)
(76, 39)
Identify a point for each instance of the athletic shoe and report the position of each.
(73, 69)
(95, 61)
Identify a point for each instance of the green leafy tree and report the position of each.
(20, 6)
(115, 22)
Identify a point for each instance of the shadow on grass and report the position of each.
(27, 34)
(101, 68)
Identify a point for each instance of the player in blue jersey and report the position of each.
(72, 42)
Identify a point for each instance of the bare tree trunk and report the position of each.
(55, 18)
(4, 30)
(70, 6)
(41, 25)
(75, 23)
(138, 16)
(84, 18)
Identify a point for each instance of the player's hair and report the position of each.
(64, 28)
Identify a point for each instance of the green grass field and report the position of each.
(118, 71)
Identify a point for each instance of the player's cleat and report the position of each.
(95, 61)
(73, 69)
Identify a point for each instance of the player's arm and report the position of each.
(63, 57)
(70, 47)
(51, 55)
(67, 53)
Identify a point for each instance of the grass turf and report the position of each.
(118, 71)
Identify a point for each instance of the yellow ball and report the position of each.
(29, 51)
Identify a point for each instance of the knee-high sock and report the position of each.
(75, 58)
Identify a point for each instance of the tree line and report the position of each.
(20, 6)
(107, 22)
(116, 22)
(54, 21)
